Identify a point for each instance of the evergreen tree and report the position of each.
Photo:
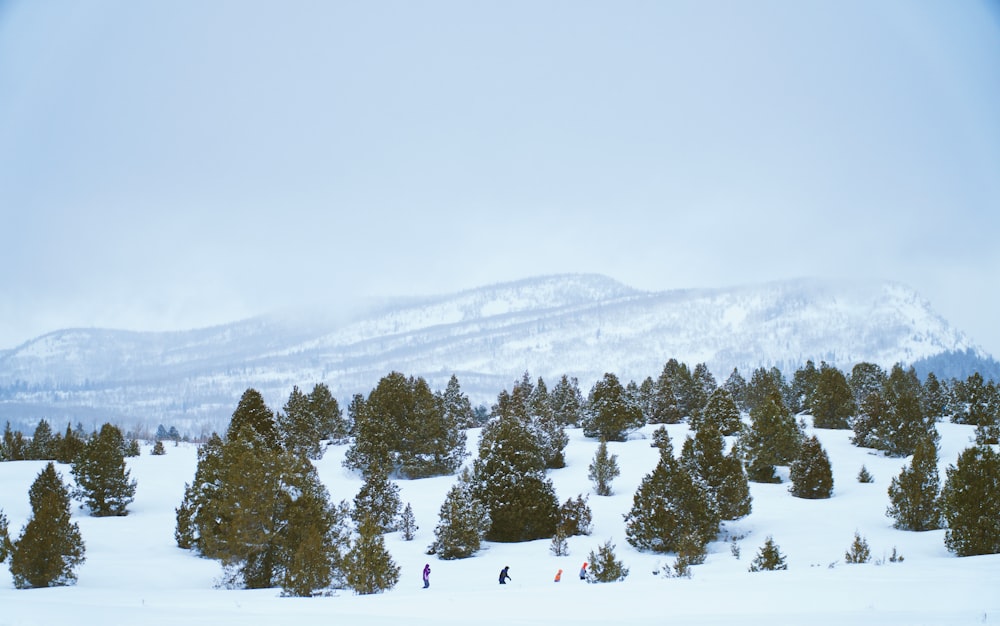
(326, 413)
(13, 447)
(50, 546)
(548, 428)
(872, 411)
(703, 385)
(567, 401)
(42, 446)
(70, 446)
(6, 547)
(408, 523)
(661, 440)
(704, 456)
(803, 384)
(509, 478)
(866, 378)
(158, 449)
(463, 523)
(831, 400)
(456, 405)
(858, 552)
(252, 420)
(298, 427)
(811, 475)
(605, 566)
(769, 558)
(913, 495)
(310, 546)
(935, 398)
(864, 476)
(736, 385)
(575, 517)
(610, 415)
(559, 545)
(603, 469)
(970, 502)
(103, 481)
(773, 439)
(721, 411)
(378, 501)
(671, 506)
(665, 406)
(764, 385)
(131, 448)
(369, 567)
(904, 424)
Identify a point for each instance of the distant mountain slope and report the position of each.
(580, 325)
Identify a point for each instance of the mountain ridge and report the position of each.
(581, 325)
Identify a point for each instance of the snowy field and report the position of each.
(135, 574)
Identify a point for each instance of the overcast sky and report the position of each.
(178, 164)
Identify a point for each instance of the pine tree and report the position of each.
(671, 506)
(103, 481)
(703, 456)
(368, 566)
(769, 558)
(6, 547)
(773, 438)
(736, 385)
(665, 403)
(50, 546)
(935, 397)
(252, 420)
(811, 475)
(378, 501)
(298, 426)
(575, 517)
(42, 446)
(158, 449)
(610, 414)
(548, 428)
(864, 476)
(559, 545)
(567, 401)
(858, 552)
(408, 523)
(605, 566)
(70, 446)
(463, 523)
(310, 546)
(866, 378)
(913, 495)
(457, 406)
(13, 447)
(721, 411)
(831, 401)
(904, 424)
(326, 414)
(803, 384)
(509, 478)
(970, 502)
(603, 469)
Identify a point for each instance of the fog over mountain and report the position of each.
(578, 324)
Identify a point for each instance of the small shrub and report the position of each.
(158, 449)
(859, 551)
(604, 567)
(769, 558)
(864, 476)
(559, 545)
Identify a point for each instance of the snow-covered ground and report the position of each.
(135, 574)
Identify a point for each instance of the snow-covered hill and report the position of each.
(580, 325)
(135, 574)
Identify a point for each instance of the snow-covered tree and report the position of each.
(103, 481)
(970, 502)
(567, 401)
(463, 522)
(772, 439)
(575, 517)
(610, 414)
(913, 495)
(720, 410)
(811, 475)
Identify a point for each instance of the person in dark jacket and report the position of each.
(504, 576)
(427, 575)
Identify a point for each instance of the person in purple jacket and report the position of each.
(427, 575)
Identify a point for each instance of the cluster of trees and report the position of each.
(256, 503)
(50, 546)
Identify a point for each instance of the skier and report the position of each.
(427, 575)
(504, 576)
(558, 575)
(583, 572)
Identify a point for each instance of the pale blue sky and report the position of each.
(177, 164)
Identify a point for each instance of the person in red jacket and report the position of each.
(583, 572)
(558, 575)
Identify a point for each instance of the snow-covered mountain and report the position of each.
(580, 325)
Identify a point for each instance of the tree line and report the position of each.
(257, 505)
